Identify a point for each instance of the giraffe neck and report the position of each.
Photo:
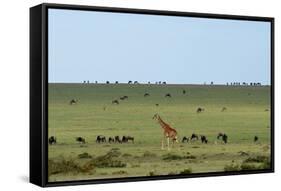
(162, 123)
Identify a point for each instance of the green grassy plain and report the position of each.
(94, 114)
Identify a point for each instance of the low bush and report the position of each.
(148, 154)
(245, 166)
(120, 172)
(186, 171)
(170, 156)
(110, 159)
(84, 156)
(67, 166)
(232, 167)
(258, 159)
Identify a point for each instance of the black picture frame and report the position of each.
(39, 92)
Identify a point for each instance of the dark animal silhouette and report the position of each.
(220, 135)
(117, 139)
(256, 138)
(183, 92)
(73, 101)
(126, 139)
(185, 139)
(80, 140)
(157, 104)
(115, 102)
(168, 95)
(223, 109)
(194, 137)
(224, 138)
(204, 139)
(146, 94)
(52, 140)
(110, 140)
(124, 97)
(101, 139)
(200, 109)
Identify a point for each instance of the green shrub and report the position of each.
(84, 156)
(108, 160)
(186, 171)
(232, 167)
(148, 154)
(120, 172)
(67, 166)
(258, 159)
(170, 156)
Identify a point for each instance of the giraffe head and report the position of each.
(156, 116)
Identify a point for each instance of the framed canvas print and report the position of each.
(128, 94)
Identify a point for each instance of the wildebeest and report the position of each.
(204, 139)
(73, 101)
(168, 95)
(223, 109)
(200, 109)
(194, 137)
(52, 140)
(110, 140)
(80, 140)
(117, 139)
(256, 138)
(220, 135)
(185, 139)
(223, 136)
(124, 97)
(115, 102)
(146, 94)
(101, 139)
(126, 139)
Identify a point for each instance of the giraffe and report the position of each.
(169, 132)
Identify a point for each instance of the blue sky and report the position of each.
(87, 45)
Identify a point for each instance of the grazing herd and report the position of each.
(129, 139)
(100, 139)
(203, 138)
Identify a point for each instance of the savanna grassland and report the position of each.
(247, 115)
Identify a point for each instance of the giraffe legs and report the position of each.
(168, 143)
